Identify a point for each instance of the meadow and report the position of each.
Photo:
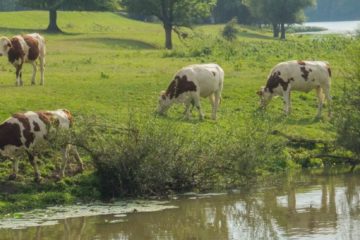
(110, 69)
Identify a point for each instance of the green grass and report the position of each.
(110, 66)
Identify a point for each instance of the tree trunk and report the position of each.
(168, 36)
(53, 27)
(282, 31)
(276, 30)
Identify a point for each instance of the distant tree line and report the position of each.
(183, 13)
(334, 10)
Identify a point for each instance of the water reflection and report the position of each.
(302, 207)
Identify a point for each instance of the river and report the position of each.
(295, 207)
(340, 27)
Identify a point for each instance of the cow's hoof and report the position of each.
(12, 177)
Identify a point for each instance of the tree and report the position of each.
(54, 5)
(225, 10)
(280, 12)
(172, 13)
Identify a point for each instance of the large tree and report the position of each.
(225, 10)
(280, 12)
(54, 5)
(172, 13)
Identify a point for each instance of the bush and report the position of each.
(157, 157)
(230, 30)
(348, 108)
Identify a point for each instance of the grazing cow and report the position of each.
(300, 76)
(27, 48)
(24, 131)
(191, 83)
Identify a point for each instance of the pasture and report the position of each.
(114, 68)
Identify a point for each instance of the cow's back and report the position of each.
(25, 130)
(303, 75)
(207, 77)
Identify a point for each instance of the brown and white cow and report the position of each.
(191, 83)
(24, 131)
(21, 49)
(300, 76)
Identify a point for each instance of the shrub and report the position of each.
(157, 157)
(230, 30)
(347, 118)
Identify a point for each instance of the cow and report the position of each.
(23, 132)
(21, 49)
(300, 76)
(189, 84)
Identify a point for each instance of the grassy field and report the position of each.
(112, 67)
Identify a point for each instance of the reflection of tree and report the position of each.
(250, 215)
(69, 229)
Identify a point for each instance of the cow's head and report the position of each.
(5, 46)
(265, 96)
(164, 103)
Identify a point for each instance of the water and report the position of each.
(340, 27)
(295, 207)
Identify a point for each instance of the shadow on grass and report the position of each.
(254, 35)
(302, 121)
(118, 42)
(17, 31)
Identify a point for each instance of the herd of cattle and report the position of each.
(20, 133)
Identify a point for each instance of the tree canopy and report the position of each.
(225, 10)
(172, 13)
(279, 12)
(54, 5)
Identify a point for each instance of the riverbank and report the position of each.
(110, 76)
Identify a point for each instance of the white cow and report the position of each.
(21, 49)
(300, 76)
(191, 83)
(24, 131)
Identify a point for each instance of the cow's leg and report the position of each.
(65, 158)
(187, 109)
(35, 166)
(217, 103)
(287, 102)
(213, 106)
(19, 81)
(15, 168)
(328, 99)
(42, 69)
(320, 97)
(75, 153)
(196, 99)
(34, 73)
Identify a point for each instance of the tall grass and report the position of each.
(157, 157)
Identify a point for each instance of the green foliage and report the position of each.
(348, 108)
(88, 5)
(230, 31)
(279, 11)
(152, 157)
(172, 13)
(225, 10)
